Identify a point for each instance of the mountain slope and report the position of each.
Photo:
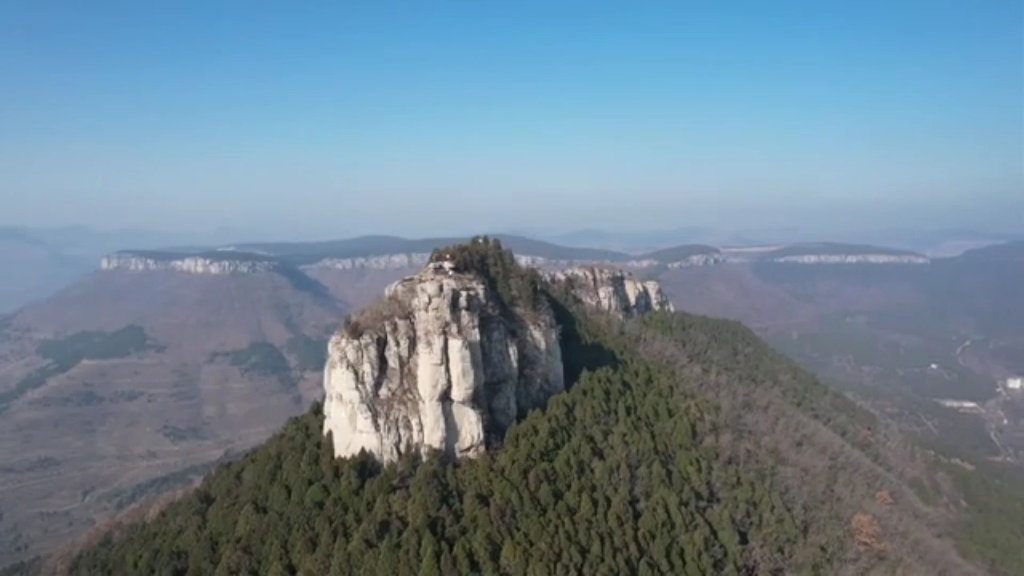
(128, 383)
(684, 446)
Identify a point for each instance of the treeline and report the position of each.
(258, 358)
(67, 352)
(635, 470)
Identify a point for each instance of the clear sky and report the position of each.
(417, 117)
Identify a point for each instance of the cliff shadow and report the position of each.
(580, 350)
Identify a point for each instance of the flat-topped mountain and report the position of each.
(613, 291)
(681, 444)
(215, 262)
(834, 253)
(385, 252)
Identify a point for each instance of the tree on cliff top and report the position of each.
(515, 285)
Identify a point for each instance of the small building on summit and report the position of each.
(443, 262)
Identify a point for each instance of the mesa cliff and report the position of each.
(456, 353)
(613, 291)
(216, 264)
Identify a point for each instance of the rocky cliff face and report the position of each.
(442, 363)
(437, 364)
(187, 264)
(613, 291)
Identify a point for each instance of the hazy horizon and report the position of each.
(415, 121)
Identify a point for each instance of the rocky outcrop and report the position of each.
(613, 291)
(441, 363)
(187, 264)
(853, 259)
(438, 364)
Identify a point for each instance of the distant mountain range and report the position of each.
(935, 242)
(34, 263)
(169, 360)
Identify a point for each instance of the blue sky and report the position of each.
(422, 117)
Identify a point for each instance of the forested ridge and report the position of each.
(684, 446)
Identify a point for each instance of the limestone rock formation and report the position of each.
(613, 291)
(438, 364)
(443, 363)
(188, 264)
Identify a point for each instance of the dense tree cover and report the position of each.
(516, 287)
(624, 474)
(989, 527)
(66, 352)
(612, 478)
(310, 354)
(993, 528)
(260, 358)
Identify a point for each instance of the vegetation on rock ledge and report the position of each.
(516, 286)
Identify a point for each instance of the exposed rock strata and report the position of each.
(613, 291)
(438, 366)
(187, 264)
(440, 363)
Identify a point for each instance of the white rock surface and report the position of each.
(613, 291)
(437, 365)
(186, 264)
(445, 370)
